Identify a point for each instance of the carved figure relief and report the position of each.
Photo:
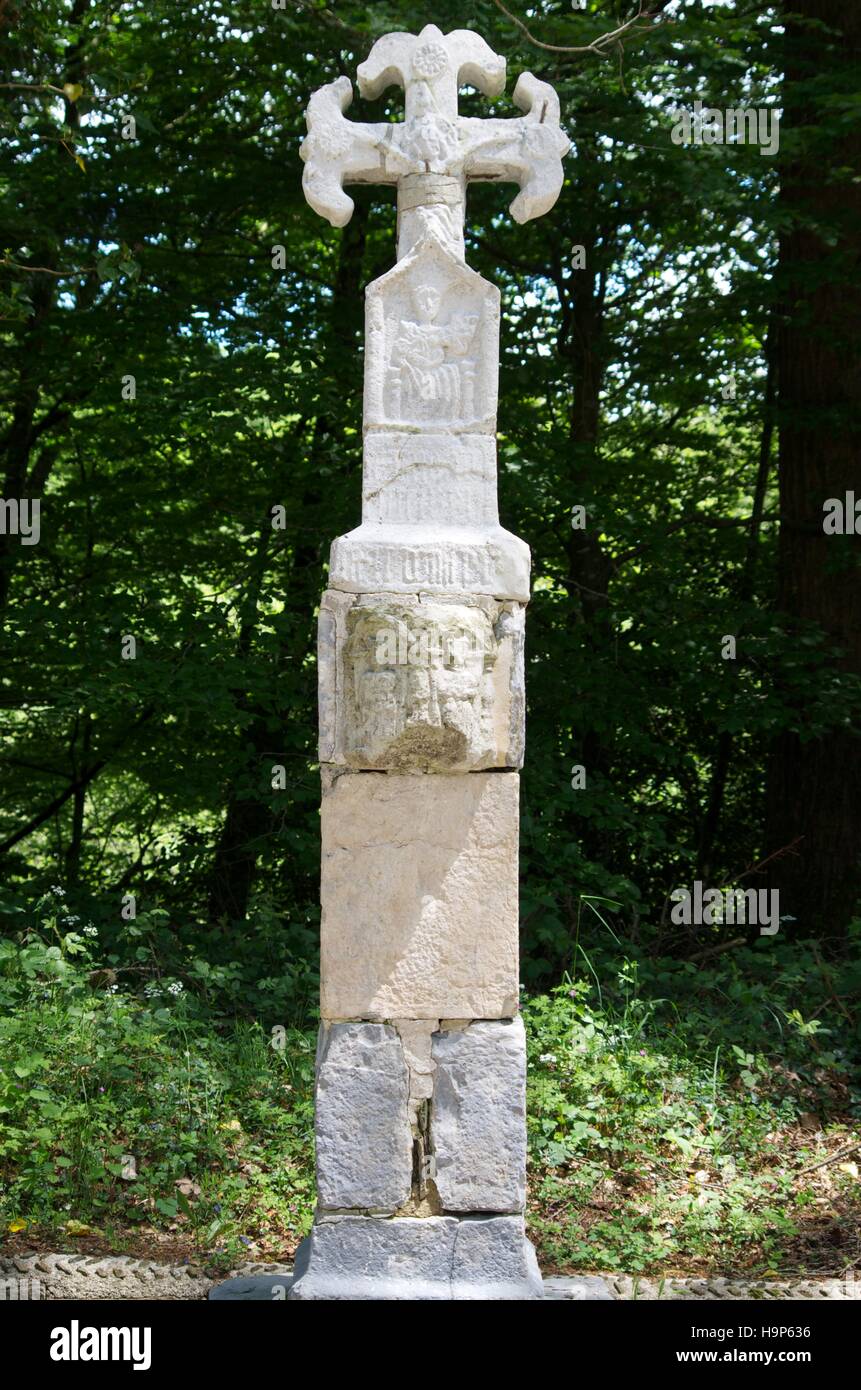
(429, 366)
(432, 345)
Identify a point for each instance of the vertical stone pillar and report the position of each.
(421, 1067)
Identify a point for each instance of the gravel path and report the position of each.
(624, 1287)
(119, 1276)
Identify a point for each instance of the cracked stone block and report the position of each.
(362, 1127)
(423, 684)
(478, 1117)
(355, 1257)
(419, 896)
(417, 1041)
(416, 1258)
(493, 1259)
(412, 479)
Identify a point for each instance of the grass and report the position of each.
(675, 1115)
(660, 1144)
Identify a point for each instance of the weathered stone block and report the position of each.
(415, 479)
(363, 1135)
(422, 684)
(355, 1257)
(417, 1039)
(478, 1117)
(419, 896)
(421, 1258)
(452, 556)
(493, 1259)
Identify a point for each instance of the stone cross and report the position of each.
(433, 153)
(421, 1065)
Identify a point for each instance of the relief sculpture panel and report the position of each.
(421, 685)
(432, 345)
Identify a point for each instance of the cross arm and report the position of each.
(337, 151)
(527, 150)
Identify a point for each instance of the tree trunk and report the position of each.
(814, 786)
(746, 589)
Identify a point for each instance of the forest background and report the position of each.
(181, 384)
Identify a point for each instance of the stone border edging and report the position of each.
(107, 1277)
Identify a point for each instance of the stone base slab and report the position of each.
(434, 1258)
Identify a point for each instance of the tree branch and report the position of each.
(598, 45)
(76, 786)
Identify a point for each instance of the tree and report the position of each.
(814, 806)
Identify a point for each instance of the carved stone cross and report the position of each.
(434, 152)
(421, 1068)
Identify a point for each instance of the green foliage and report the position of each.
(216, 1118)
(664, 1103)
(666, 1106)
(151, 257)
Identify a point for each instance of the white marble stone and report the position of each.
(417, 479)
(431, 345)
(433, 145)
(446, 558)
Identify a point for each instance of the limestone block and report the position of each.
(417, 1039)
(419, 896)
(414, 683)
(429, 1258)
(510, 632)
(355, 1257)
(493, 1259)
(404, 558)
(333, 607)
(425, 479)
(478, 1117)
(362, 1126)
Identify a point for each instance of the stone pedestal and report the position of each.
(421, 1066)
(427, 1258)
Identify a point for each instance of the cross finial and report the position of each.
(434, 152)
